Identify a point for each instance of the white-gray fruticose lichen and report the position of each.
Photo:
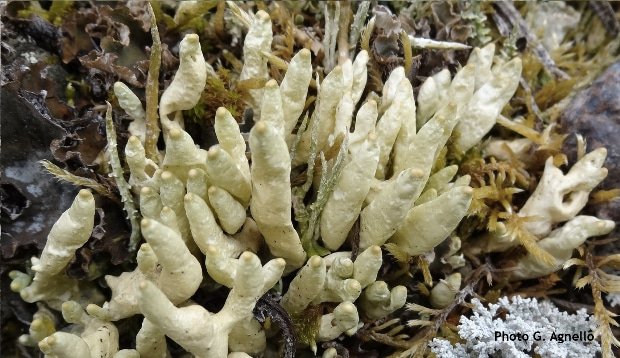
(528, 326)
(194, 203)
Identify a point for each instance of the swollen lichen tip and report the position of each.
(348, 307)
(36, 324)
(346, 263)
(417, 173)
(175, 133)
(166, 176)
(262, 15)
(133, 140)
(261, 127)
(191, 37)
(220, 112)
(85, 194)
(246, 256)
(213, 152)
(280, 262)
(353, 285)
(315, 261)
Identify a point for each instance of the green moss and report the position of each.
(55, 15)
(218, 92)
(307, 324)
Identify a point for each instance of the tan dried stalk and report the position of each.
(152, 93)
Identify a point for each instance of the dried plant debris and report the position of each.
(268, 311)
(605, 12)
(491, 123)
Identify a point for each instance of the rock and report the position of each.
(32, 199)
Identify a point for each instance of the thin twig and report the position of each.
(407, 52)
(532, 100)
(419, 342)
(606, 13)
(64, 175)
(121, 183)
(509, 10)
(152, 93)
(343, 31)
(243, 16)
(358, 25)
(332, 18)
(604, 317)
(419, 42)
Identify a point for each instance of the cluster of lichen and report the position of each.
(404, 179)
